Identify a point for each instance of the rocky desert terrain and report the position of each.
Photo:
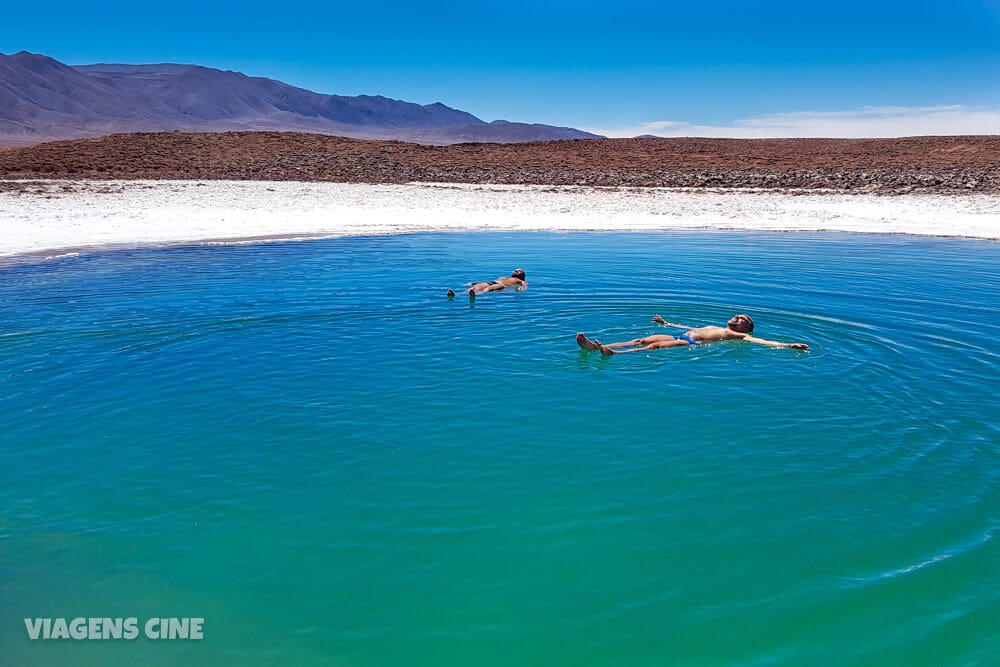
(957, 164)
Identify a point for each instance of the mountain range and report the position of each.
(42, 99)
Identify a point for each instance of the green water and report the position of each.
(310, 447)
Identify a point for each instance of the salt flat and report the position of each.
(39, 217)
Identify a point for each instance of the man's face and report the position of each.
(740, 323)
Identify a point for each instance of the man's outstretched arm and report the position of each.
(659, 320)
(774, 343)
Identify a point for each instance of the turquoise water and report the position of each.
(307, 445)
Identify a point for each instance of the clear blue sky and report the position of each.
(721, 67)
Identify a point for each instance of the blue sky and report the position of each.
(724, 68)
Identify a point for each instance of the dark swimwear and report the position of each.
(688, 339)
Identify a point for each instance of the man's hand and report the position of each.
(798, 346)
(659, 320)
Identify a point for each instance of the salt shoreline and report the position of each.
(42, 218)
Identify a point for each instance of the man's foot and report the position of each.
(451, 294)
(586, 343)
(605, 350)
(472, 295)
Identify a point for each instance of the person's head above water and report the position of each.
(518, 273)
(741, 323)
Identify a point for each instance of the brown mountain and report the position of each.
(42, 99)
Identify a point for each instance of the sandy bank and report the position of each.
(46, 216)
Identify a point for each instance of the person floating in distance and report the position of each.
(739, 327)
(516, 280)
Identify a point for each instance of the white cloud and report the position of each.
(869, 122)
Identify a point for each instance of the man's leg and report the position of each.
(648, 340)
(656, 345)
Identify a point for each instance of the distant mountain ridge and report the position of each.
(42, 99)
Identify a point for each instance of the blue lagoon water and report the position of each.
(307, 445)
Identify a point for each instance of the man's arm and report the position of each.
(659, 320)
(774, 343)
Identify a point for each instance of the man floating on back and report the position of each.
(739, 327)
